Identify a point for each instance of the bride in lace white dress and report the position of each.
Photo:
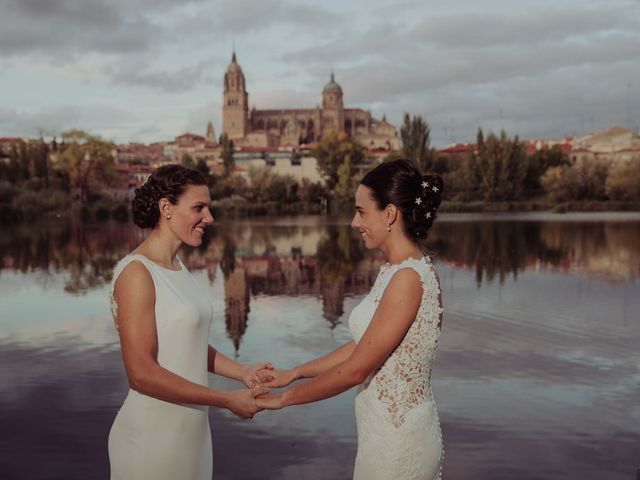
(395, 330)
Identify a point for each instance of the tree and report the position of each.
(24, 167)
(623, 182)
(331, 152)
(539, 162)
(497, 168)
(394, 155)
(187, 160)
(415, 134)
(344, 189)
(202, 167)
(227, 154)
(13, 172)
(39, 159)
(583, 181)
(88, 162)
(269, 186)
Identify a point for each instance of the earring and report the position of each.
(388, 226)
(168, 217)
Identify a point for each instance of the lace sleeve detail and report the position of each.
(120, 266)
(403, 381)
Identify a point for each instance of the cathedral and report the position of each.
(292, 127)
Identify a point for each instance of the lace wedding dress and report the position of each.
(399, 433)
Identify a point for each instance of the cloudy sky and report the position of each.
(147, 70)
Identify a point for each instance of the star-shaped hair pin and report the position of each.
(435, 189)
(425, 184)
(427, 215)
(418, 201)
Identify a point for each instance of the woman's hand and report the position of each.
(243, 402)
(257, 374)
(280, 378)
(270, 401)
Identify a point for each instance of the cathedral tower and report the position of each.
(235, 109)
(332, 107)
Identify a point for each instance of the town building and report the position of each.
(294, 127)
(614, 144)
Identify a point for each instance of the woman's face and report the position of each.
(191, 215)
(369, 220)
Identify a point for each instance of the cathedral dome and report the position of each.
(332, 86)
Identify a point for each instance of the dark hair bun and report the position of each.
(144, 206)
(168, 181)
(428, 196)
(417, 196)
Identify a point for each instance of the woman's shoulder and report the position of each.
(133, 265)
(420, 265)
(424, 271)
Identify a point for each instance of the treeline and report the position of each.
(262, 192)
(499, 170)
(59, 179)
(69, 178)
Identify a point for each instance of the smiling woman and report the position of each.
(395, 332)
(163, 318)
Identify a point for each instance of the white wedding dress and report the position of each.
(156, 440)
(399, 433)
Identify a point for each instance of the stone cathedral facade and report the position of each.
(292, 127)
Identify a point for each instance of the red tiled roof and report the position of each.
(565, 147)
(191, 136)
(458, 148)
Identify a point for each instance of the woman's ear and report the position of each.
(165, 207)
(391, 213)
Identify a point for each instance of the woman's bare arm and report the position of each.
(395, 314)
(138, 339)
(251, 375)
(282, 378)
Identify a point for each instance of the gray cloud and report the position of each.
(537, 72)
(243, 17)
(479, 30)
(141, 74)
(64, 27)
(532, 70)
(50, 120)
(55, 119)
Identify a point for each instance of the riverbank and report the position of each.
(104, 209)
(538, 206)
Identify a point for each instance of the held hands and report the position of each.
(243, 402)
(246, 403)
(279, 378)
(270, 401)
(257, 374)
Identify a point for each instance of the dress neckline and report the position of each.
(388, 265)
(157, 264)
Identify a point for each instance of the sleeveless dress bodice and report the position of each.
(153, 438)
(399, 433)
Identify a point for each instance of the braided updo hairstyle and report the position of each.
(416, 196)
(168, 181)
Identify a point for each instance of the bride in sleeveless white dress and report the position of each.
(395, 330)
(163, 317)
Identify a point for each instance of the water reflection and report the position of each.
(537, 374)
(498, 249)
(283, 260)
(325, 261)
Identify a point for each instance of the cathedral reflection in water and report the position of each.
(324, 260)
